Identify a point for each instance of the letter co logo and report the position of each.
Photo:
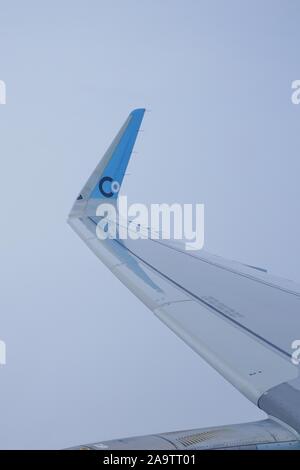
(114, 186)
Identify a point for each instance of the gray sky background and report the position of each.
(86, 361)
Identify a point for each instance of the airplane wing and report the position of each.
(239, 318)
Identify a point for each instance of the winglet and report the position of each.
(106, 180)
